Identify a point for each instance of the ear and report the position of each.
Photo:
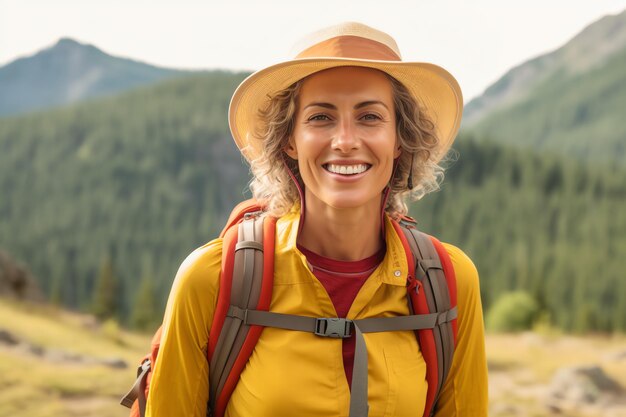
(397, 152)
(291, 149)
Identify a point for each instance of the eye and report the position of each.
(318, 117)
(370, 117)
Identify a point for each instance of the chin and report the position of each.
(344, 201)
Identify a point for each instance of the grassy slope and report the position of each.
(36, 387)
(521, 366)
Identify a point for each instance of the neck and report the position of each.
(344, 234)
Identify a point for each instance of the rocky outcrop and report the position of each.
(583, 384)
(583, 387)
(7, 338)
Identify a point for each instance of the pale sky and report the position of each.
(477, 40)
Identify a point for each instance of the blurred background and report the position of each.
(116, 162)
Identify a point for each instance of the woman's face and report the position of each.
(345, 136)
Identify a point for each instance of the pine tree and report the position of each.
(105, 297)
(145, 315)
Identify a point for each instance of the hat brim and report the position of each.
(434, 87)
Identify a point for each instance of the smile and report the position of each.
(346, 169)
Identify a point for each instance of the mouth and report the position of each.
(346, 170)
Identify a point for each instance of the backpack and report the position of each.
(246, 283)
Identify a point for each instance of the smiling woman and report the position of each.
(363, 314)
(415, 134)
(345, 122)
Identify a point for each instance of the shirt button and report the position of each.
(397, 273)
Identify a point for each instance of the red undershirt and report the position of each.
(342, 281)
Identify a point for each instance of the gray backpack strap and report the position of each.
(429, 271)
(245, 293)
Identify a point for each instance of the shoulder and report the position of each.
(177, 381)
(197, 279)
(202, 259)
(199, 263)
(467, 281)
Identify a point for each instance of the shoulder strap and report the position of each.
(434, 275)
(246, 282)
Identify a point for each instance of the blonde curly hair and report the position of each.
(273, 186)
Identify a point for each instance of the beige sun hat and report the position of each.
(348, 44)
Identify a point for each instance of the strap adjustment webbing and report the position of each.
(138, 389)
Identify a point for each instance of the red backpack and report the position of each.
(246, 284)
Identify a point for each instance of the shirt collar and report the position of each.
(392, 270)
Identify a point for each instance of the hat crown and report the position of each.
(348, 40)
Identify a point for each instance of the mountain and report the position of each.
(592, 47)
(570, 101)
(69, 72)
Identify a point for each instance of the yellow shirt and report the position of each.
(292, 373)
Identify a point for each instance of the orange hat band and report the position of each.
(350, 47)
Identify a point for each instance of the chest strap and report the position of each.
(344, 328)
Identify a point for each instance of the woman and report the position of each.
(336, 139)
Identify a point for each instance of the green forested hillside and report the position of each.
(137, 181)
(579, 115)
(123, 189)
(540, 223)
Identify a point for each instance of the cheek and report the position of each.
(388, 147)
(309, 146)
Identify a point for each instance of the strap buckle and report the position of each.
(144, 367)
(333, 327)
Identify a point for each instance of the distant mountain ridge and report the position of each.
(68, 72)
(591, 48)
(568, 102)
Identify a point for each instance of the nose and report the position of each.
(346, 137)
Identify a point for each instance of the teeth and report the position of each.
(347, 169)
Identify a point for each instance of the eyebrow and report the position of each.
(356, 107)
